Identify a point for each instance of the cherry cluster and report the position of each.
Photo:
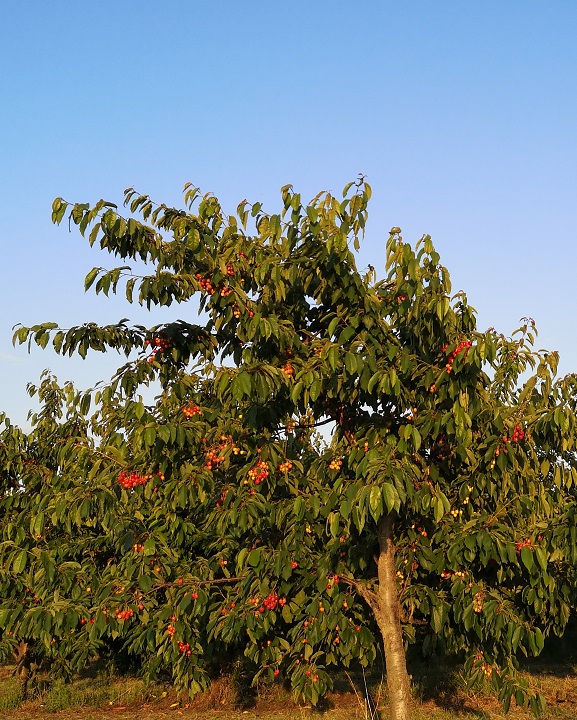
(131, 480)
(442, 448)
(284, 467)
(205, 283)
(34, 599)
(486, 669)
(463, 345)
(335, 464)
(123, 614)
(461, 574)
(212, 458)
(259, 472)
(191, 410)
(184, 648)
(518, 434)
(271, 601)
(288, 369)
(159, 344)
(520, 544)
(478, 601)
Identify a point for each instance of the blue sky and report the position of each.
(462, 115)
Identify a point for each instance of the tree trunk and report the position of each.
(21, 654)
(388, 618)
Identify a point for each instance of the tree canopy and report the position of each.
(436, 507)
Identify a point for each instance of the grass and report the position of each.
(438, 688)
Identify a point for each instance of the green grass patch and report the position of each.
(94, 692)
(9, 693)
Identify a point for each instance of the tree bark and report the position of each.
(21, 656)
(389, 621)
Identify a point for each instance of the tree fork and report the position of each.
(389, 620)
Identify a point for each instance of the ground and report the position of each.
(438, 696)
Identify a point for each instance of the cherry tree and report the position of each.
(435, 507)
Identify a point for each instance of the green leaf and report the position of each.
(38, 524)
(313, 214)
(298, 507)
(42, 339)
(94, 234)
(296, 391)
(334, 523)
(237, 388)
(438, 509)
(437, 618)
(333, 357)
(373, 381)
(376, 502)
(91, 277)
(240, 558)
(149, 547)
(244, 383)
(390, 496)
(254, 557)
(149, 436)
(442, 308)
(527, 557)
(539, 639)
(351, 363)
(541, 556)
(59, 208)
(516, 637)
(145, 582)
(334, 323)
(19, 562)
(21, 335)
(315, 390)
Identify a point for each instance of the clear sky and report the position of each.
(463, 116)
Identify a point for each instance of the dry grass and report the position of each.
(439, 695)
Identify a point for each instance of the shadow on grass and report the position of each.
(433, 681)
(438, 680)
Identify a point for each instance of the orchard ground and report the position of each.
(439, 695)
